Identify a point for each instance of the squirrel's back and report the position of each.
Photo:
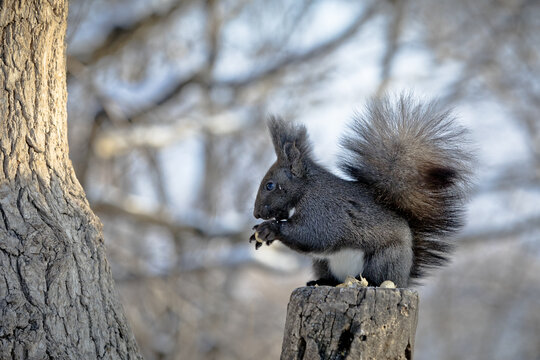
(413, 156)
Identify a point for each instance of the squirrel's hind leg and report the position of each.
(393, 263)
(322, 274)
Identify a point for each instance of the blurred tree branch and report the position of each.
(516, 229)
(121, 36)
(394, 30)
(317, 51)
(137, 214)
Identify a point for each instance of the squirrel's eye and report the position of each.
(270, 186)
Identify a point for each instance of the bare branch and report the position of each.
(160, 218)
(120, 37)
(500, 233)
(312, 54)
(392, 45)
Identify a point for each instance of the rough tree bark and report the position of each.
(57, 298)
(346, 323)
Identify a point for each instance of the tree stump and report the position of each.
(350, 323)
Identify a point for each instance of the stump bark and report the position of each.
(347, 323)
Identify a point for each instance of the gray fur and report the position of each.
(410, 175)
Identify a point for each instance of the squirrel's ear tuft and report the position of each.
(291, 143)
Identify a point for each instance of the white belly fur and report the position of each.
(344, 262)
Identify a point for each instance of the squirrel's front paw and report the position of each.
(264, 232)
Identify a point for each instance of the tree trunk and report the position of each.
(346, 323)
(57, 298)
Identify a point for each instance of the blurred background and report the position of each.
(167, 103)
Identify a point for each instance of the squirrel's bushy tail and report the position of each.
(412, 155)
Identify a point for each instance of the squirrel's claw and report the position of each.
(264, 233)
(258, 242)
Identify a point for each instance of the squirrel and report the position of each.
(409, 174)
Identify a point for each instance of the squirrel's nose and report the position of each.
(259, 213)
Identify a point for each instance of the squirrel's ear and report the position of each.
(291, 144)
(294, 159)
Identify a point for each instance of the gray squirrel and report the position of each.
(409, 171)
